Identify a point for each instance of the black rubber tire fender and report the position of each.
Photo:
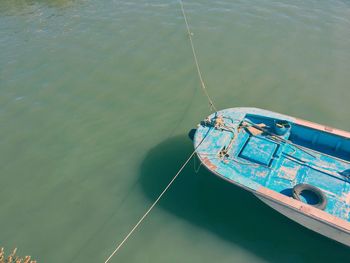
(322, 199)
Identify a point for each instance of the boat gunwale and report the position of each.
(321, 127)
(299, 207)
(298, 121)
(345, 226)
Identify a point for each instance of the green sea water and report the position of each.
(97, 97)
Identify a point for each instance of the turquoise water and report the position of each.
(96, 99)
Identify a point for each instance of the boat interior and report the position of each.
(284, 154)
(315, 140)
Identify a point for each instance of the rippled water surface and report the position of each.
(96, 99)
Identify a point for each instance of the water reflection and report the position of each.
(230, 212)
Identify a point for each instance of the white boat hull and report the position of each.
(309, 222)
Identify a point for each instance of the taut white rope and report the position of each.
(212, 107)
(211, 103)
(151, 207)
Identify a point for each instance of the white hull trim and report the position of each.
(309, 222)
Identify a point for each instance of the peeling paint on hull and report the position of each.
(232, 145)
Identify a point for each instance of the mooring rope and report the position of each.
(212, 108)
(211, 103)
(152, 206)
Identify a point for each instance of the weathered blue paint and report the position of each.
(302, 155)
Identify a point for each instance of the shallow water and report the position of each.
(96, 99)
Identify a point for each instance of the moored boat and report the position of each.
(297, 167)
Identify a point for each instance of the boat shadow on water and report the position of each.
(228, 211)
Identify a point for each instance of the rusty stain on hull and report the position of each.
(208, 163)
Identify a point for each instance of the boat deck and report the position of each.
(251, 160)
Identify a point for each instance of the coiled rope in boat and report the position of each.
(212, 108)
